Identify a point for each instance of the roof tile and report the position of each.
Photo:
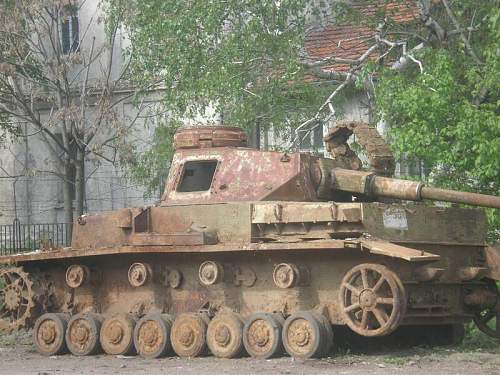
(348, 41)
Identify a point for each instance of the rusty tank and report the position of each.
(261, 252)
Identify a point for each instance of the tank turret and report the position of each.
(213, 164)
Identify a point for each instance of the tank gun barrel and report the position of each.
(369, 184)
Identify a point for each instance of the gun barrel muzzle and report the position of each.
(460, 197)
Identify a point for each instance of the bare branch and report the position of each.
(429, 22)
(457, 25)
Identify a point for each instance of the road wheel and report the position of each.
(327, 331)
(48, 334)
(82, 334)
(305, 335)
(189, 335)
(117, 335)
(152, 335)
(225, 335)
(262, 335)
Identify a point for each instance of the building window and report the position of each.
(312, 139)
(70, 34)
(197, 176)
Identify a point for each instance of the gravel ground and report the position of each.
(17, 356)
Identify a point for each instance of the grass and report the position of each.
(476, 348)
(478, 341)
(21, 337)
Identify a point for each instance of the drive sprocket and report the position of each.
(17, 299)
(487, 319)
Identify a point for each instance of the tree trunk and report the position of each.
(67, 194)
(80, 181)
(68, 182)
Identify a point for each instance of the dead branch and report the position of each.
(458, 27)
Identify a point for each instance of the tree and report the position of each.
(434, 81)
(448, 114)
(60, 79)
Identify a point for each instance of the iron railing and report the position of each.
(19, 238)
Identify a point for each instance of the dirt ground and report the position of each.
(17, 356)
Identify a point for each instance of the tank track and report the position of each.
(379, 155)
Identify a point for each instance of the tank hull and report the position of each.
(369, 266)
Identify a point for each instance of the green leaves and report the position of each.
(238, 59)
(241, 57)
(434, 117)
(150, 167)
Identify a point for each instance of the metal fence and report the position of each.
(19, 238)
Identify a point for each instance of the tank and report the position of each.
(261, 252)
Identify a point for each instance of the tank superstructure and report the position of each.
(263, 252)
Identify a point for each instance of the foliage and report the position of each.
(150, 167)
(233, 61)
(475, 339)
(237, 62)
(236, 58)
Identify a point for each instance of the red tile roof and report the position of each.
(348, 41)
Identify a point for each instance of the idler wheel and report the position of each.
(372, 301)
(262, 335)
(48, 334)
(225, 335)
(82, 334)
(189, 335)
(307, 335)
(117, 335)
(152, 335)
